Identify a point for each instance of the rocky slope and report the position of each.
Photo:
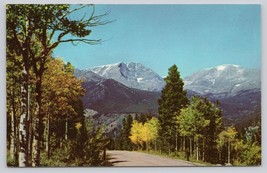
(224, 81)
(132, 75)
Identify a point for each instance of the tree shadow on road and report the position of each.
(110, 161)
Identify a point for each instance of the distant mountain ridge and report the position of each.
(133, 75)
(224, 80)
(236, 88)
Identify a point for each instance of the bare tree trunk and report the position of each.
(169, 148)
(28, 125)
(184, 143)
(17, 141)
(203, 155)
(66, 128)
(22, 139)
(181, 144)
(197, 148)
(47, 143)
(176, 142)
(38, 122)
(190, 145)
(31, 133)
(13, 131)
(23, 152)
(229, 151)
(220, 156)
(35, 138)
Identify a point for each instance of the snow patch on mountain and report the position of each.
(139, 79)
(221, 68)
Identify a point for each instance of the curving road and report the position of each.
(132, 158)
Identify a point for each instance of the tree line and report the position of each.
(45, 122)
(191, 129)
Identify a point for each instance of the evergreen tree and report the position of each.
(143, 118)
(213, 113)
(136, 117)
(125, 133)
(173, 98)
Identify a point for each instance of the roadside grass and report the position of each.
(178, 155)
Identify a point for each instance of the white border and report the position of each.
(3, 167)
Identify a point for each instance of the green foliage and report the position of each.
(227, 135)
(86, 149)
(125, 133)
(213, 113)
(94, 145)
(247, 151)
(173, 98)
(251, 134)
(191, 121)
(143, 118)
(247, 154)
(153, 126)
(9, 160)
(173, 95)
(60, 157)
(46, 19)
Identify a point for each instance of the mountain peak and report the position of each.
(227, 78)
(106, 65)
(224, 66)
(133, 75)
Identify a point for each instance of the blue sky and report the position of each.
(193, 37)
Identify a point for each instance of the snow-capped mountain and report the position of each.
(226, 80)
(87, 75)
(133, 75)
(112, 89)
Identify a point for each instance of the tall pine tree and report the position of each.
(125, 133)
(213, 113)
(173, 98)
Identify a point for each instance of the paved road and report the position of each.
(132, 158)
